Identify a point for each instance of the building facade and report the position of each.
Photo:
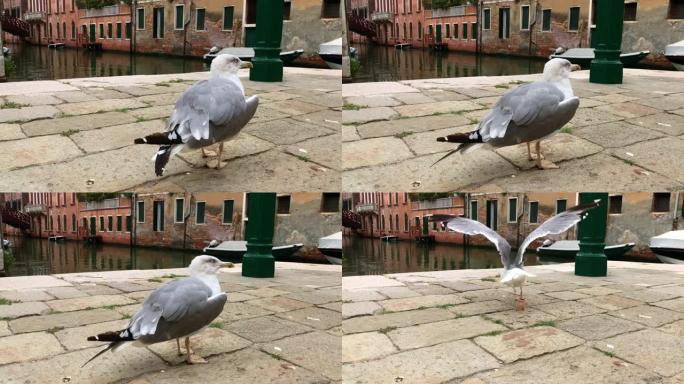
(109, 220)
(110, 27)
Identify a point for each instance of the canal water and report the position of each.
(34, 62)
(34, 256)
(365, 256)
(385, 63)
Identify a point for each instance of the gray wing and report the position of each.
(171, 303)
(522, 106)
(472, 227)
(553, 226)
(206, 104)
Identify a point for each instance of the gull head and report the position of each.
(558, 69)
(228, 64)
(207, 265)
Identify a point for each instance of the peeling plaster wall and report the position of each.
(652, 31)
(307, 30)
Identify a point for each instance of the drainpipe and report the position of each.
(478, 19)
(675, 213)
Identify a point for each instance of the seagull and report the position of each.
(180, 308)
(211, 111)
(525, 114)
(513, 274)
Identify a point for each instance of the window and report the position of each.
(331, 9)
(228, 211)
(158, 23)
(84, 222)
(573, 20)
(396, 199)
(199, 26)
(464, 31)
(455, 31)
(546, 20)
(382, 222)
(492, 214)
(119, 223)
(630, 11)
(561, 205)
(110, 223)
(406, 222)
(140, 211)
(473, 27)
(180, 210)
(524, 17)
(504, 23)
(101, 31)
(331, 202)
(180, 17)
(59, 224)
(129, 223)
(283, 205)
(109, 30)
(140, 19)
(158, 216)
(64, 35)
(615, 204)
(661, 202)
(391, 223)
(513, 210)
(676, 10)
(118, 30)
(199, 212)
(128, 30)
(420, 30)
(228, 18)
(486, 19)
(73, 34)
(534, 212)
(396, 222)
(287, 11)
(447, 33)
(102, 227)
(73, 223)
(473, 210)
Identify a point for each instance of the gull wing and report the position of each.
(555, 225)
(472, 227)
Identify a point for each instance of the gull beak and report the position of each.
(575, 67)
(227, 264)
(246, 64)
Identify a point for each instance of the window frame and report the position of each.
(175, 210)
(204, 20)
(536, 212)
(488, 19)
(138, 211)
(223, 213)
(223, 19)
(521, 17)
(550, 20)
(204, 213)
(175, 17)
(515, 214)
(138, 25)
(579, 14)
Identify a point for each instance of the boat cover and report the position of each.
(672, 239)
(333, 241)
(333, 47)
(675, 49)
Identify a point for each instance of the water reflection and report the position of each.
(365, 256)
(384, 63)
(41, 257)
(33, 62)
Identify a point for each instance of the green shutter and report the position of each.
(200, 212)
(465, 31)
(200, 20)
(118, 30)
(512, 210)
(546, 20)
(110, 221)
(129, 223)
(573, 23)
(128, 30)
(109, 30)
(525, 20)
(179, 17)
(474, 27)
(227, 18)
(140, 23)
(102, 227)
(180, 204)
(487, 18)
(473, 210)
(455, 31)
(227, 211)
(141, 212)
(448, 32)
(534, 212)
(102, 31)
(119, 223)
(561, 206)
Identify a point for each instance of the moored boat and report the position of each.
(569, 248)
(675, 53)
(331, 53)
(669, 247)
(584, 56)
(388, 238)
(247, 54)
(232, 250)
(331, 247)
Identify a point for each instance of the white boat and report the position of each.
(389, 238)
(247, 54)
(669, 247)
(235, 249)
(675, 53)
(6, 243)
(584, 56)
(331, 247)
(331, 53)
(569, 249)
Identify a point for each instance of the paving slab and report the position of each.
(394, 320)
(79, 303)
(439, 107)
(674, 304)
(76, 337)
(648, 315)
(317, 351)
(360, 308)
(323, 150)
(62, 320)
(11, 132)
(366, 346)
(88, 107)
(315, 317)
(522, 319)
(410, 303)
(23, 309)
(597, 327)
(34, 99)
(36, 150)
(560, 147)
(272, 131)
(373, 101)
(655, 155)
(479, 308)
(26, 295)
(366, 115)
(361, 295)
(238, 311)
(27, 113)
(267, 328)
(526, 343)
(279, 304)
(65, 292)
(76, 123)
(448, 361)
(22, 347)
(424, 335)
(411, 125)
(397, 292)
(370, 152)
(569, 309)
(4, 329)
(209, 342)
(657, 351)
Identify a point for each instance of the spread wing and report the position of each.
(171, 302)
(472, 227)
(555, 225)
(208, 103)
(523, 105)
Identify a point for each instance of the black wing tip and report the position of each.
(140, 141)
(442, 139)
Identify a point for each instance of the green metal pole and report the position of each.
(269, 33)
(259, 261)
(606, 68)
(591, 259)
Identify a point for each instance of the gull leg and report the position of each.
(220, 152)
(178, 347)
(206, 153)
(190, 359)
(529, 154)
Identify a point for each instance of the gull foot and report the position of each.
(208, 153)
(520, 304)
(195, 359)
(545, 164)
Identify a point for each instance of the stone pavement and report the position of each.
(280, 330)
(462, 327)
(77, 134)
(623, 137)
